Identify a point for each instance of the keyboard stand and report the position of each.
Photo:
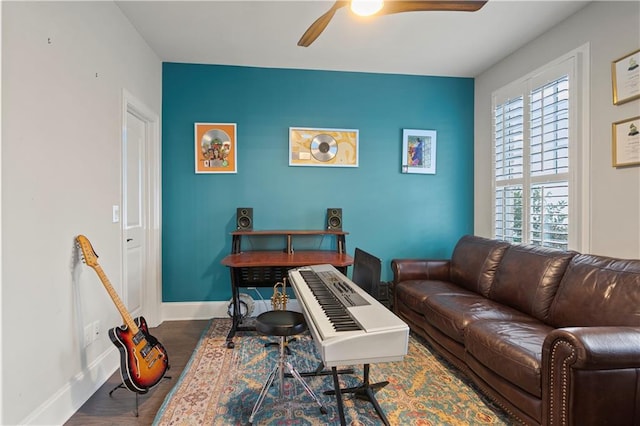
(364, 391)
(320, 371)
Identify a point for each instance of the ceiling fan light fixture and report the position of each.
(366, 7)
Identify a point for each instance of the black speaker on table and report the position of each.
(244, 218)
(334, 219)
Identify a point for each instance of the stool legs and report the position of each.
(279, 368)
(304, 384)
(281, 363)
(263, 393)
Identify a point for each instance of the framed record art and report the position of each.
(323, 147)
(216, 148)
(419, 151)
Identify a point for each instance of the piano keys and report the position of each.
(348, 325)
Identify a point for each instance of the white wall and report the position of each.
(612, 31)
(1, 286)
(64, 66)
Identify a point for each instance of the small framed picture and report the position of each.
(626, 142)
(625, 76)
(419, 151)
(216, 148)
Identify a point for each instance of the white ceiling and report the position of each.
(265, 33)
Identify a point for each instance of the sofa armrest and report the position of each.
(599, 348)
(591, 373)
(419, 269)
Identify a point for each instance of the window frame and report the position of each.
(576, 65)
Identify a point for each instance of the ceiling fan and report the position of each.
(386, 8)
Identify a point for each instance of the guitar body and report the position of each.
(143, 360)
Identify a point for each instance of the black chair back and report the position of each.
(366, 272)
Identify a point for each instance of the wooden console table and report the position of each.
(264, 268)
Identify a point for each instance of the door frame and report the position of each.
(152, 193)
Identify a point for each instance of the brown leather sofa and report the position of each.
(553, 337)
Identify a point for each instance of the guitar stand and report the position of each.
(364, 391)
(122, 386)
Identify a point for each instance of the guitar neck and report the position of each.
(126, 316)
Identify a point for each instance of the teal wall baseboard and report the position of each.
(178, 311)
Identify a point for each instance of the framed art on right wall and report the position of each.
(419, 151)
(625, 76)
(625, 142)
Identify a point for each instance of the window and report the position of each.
(536, 198)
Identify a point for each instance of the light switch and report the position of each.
(116, 214)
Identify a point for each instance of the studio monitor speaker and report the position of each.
(244, 218)
(334, 219)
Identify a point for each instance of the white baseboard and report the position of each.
(66, 401)
(175, 311)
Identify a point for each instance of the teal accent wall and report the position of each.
(386, 212)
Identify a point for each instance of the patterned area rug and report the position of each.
(219, 386)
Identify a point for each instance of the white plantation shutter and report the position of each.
(549, 162)
(508, 220)
(548, 216)
(549, 126)
(532, 152)
(509, 136)
(509, 163)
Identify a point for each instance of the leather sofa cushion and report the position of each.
(528, 277)
(474, 262)
(451, 313)
(512, 350)
(414, 319)
(413, 292)
(598, 291)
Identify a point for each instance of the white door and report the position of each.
(133, 212)
(141, 218)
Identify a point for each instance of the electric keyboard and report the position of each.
(348, 325)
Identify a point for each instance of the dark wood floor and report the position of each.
(179, 339)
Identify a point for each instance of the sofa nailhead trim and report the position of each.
(488, 393)
(564, 376)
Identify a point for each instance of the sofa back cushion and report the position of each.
(528, 278)
(598, 291)
(474, 262)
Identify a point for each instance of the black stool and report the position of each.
(281, 324)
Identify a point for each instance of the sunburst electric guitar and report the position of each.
(143, 360)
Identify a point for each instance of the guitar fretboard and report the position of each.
(126, 316)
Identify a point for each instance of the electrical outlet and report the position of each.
(96, 330)
(88, 335)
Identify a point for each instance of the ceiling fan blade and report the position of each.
(391, 6)
(320, 24)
